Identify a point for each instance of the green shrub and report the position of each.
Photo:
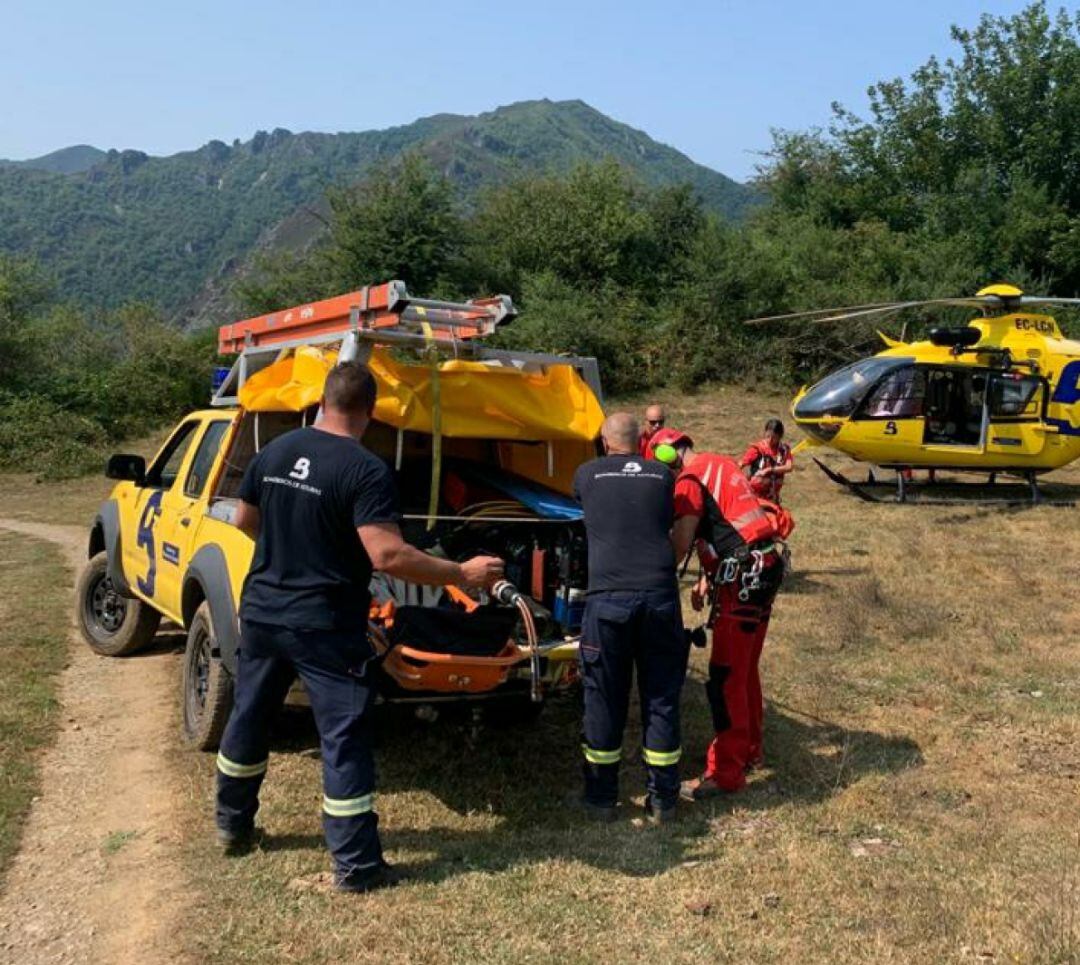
(37, 435)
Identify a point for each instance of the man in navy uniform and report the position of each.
(632, 618)
(323, 512)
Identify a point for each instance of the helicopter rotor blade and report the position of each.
(810, 313)
(1044, 300)
(874, 310)
(884, 312)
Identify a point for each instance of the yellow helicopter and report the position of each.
(999, 396)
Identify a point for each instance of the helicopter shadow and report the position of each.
(519, 777)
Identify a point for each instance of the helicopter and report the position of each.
(999, 396)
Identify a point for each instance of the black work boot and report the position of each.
(383, 875)
(656, 814)
(235, 844)
(600, 813)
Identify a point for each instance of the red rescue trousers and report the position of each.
(734, 684)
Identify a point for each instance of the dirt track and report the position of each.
(98, 877)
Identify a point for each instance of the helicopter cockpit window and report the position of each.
(1014, 397)
(899, 395)
(840, 393)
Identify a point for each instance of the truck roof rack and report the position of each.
(386, 309)
(382, 315)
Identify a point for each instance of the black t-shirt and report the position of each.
(629, 511)
(313, 490)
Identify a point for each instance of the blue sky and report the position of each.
(710, 78)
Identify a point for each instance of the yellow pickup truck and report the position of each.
(483, 444)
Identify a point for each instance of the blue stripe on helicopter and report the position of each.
(1065, 427)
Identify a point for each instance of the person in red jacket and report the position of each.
(767, 461)
(655, 417)
(717, 513)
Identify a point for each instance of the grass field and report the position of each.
(921, 800)
(34, 606)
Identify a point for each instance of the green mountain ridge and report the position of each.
(67, 160)
(121, 225)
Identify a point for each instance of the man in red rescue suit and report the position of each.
(767, 461)
(718, 514)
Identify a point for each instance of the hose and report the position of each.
(535, 692)
(506, 593)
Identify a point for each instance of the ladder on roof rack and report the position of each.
(374, 308)
(382, 315)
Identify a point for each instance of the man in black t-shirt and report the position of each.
(323, 513)
(632, 617)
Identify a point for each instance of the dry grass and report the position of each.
(34, 604)
(921, 801)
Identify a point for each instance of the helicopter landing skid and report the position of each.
(907, 494)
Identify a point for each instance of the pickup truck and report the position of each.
(483, 443)
(162, 547)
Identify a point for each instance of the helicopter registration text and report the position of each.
(1041, 325)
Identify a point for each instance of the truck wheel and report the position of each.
(113, 625)
(208, 687)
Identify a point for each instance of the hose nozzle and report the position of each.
(507, 594)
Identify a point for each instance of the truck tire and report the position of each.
(113, 625)
(207, 686)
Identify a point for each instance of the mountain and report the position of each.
(174, 230)
(68, 160)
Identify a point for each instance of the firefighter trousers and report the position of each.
(621, 630)
(734, 684)
(336, 669)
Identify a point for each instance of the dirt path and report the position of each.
(98, 877)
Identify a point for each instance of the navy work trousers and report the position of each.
(336, 669)
(624, 629)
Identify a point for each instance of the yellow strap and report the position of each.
(594, 756)
(348, 807)
(436, 425)
(661, 758)
(232, 769)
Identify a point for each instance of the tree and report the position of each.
(24, 289)
(982, 148)
(589, 229)
(399, 223)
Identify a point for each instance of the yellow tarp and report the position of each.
(478, 401)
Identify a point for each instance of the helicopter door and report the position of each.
(889, 421)
(1015, 407)
(955, 407)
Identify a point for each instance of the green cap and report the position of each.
(666, 454)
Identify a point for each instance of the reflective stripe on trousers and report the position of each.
(232, 769)
(594, 756)
(348, 807)
(661, 758)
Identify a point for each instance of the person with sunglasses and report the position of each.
(655, 419)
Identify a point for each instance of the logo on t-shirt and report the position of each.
(302, 469)
(632, 467)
